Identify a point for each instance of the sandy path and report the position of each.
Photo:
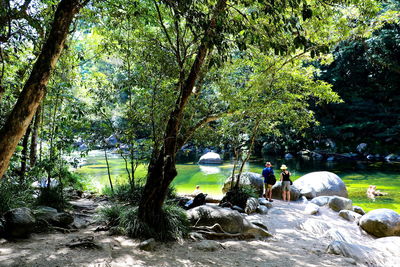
(289, 246)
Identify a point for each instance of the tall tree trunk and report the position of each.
(34, 89)
(253, 138)
(162, 168)
(35, 131)
(108, 170)
(24, 153)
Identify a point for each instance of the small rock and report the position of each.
(304, 200)
(208, 245)
(391, 157)
(1, 228)
(359, 210)
(321, 200)
(288, 156)
(148, 245)
(370, 157)
(340, 203)
(311, 209)
(239, 209)
(263, 201)
(196, 236)
(349, 215)
(251, 205)
(262, 209)
(63, 219)
(361, 148)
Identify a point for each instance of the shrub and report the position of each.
(111, 214)
(171, 224)
(14, 195)
(125, 193)
(239, 196)
(52, 197)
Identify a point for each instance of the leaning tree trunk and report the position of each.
(34, 89)
(162, 168)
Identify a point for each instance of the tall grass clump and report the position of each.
(172, 224)
(112, 214)
(14, 195)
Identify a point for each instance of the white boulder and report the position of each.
(321, 183)
(210, 158)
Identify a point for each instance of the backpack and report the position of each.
(271, 179)
(198, 200)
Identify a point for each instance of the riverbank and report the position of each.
(298, 239)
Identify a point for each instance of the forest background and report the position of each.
(240, 76)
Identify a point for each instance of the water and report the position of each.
(356, 175)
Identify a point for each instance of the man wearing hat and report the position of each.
(269, 180)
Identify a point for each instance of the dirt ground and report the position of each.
(289, 246)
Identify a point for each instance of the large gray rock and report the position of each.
(349, 215)
(247, 178)
(339, 235)
(19, 222)
(45, 213)
(322, 184)
(210, 158)
(381, 223)
(314, 226)
(361, 254)
(340, 203)
(51, 216)
(277, 192)
(231, 221)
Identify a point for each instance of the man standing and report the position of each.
(269, 180)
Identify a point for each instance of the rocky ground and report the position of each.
(297, 239)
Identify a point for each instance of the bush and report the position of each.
(52, 197)
(239, 196)
(112, 214)
(14, 195)
(171, 224)
(125, 193)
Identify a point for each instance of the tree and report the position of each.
(218, 28)
(35, 87)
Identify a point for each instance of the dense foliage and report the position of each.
(365, 73)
